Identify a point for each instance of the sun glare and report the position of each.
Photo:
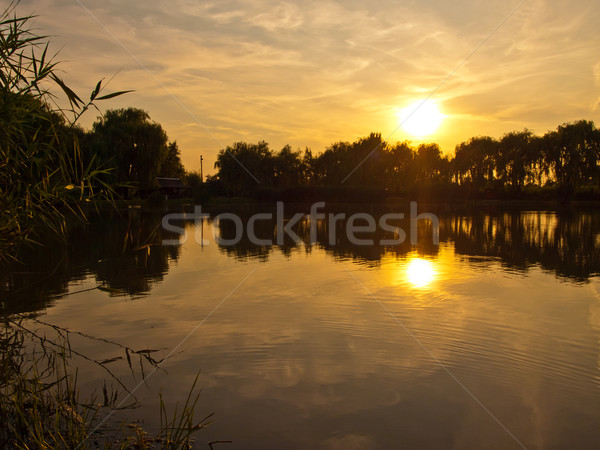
(420, 272)
(421, 118)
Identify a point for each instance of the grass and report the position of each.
(40, 404)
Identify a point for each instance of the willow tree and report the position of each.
(133, 145)
(474, 161)
(573, 153)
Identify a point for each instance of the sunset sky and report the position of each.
(310, 73)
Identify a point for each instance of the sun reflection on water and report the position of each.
(420, 272)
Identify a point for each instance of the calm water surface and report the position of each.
(489, 340)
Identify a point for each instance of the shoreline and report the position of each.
(389, 203)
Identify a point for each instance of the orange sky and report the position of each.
(310, 73)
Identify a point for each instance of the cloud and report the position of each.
(310, 72)
(284, 16)
(596, 72)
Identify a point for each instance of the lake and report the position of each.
(490, 339)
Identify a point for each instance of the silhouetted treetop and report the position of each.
(560, 162)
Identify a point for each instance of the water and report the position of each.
(489, 340)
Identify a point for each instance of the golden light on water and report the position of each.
(420, 272)
(421, 119)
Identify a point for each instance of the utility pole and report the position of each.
(201, 177)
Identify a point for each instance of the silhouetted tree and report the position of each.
(429, 163)
(568, 157)
(134, 145)
(330, 166)
(288, 167)
(516, 158)
(172, 166)
(474, 161)
(369, 158)
(401, 168)
(243, 167)
(308, 167)
(363, 163)
(572, 153)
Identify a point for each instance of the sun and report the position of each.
(420, 272)
(421, 119)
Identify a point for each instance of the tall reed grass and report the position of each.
(44, 176)
(41, 405)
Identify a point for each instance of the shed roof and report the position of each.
(171, 183)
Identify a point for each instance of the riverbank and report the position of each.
(391, 202)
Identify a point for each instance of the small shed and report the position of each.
(172, 187)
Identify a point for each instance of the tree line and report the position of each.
(562, 163)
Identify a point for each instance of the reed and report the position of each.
(41, 406)
(44, 177)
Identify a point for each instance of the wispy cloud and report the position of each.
(284, 16)
(313, 72)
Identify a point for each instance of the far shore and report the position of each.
(246, 203)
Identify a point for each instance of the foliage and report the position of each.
(514, 160)
(177, 429)
(242, 167)
(567, 160)
(473, 161)
(572, 153)
(193, 179)
(288, 167)
(172, 166)
(201, 190)
(134, 146)
(40, 404)
(43, 175)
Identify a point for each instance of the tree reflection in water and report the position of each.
(567, 243)
(124, 252)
